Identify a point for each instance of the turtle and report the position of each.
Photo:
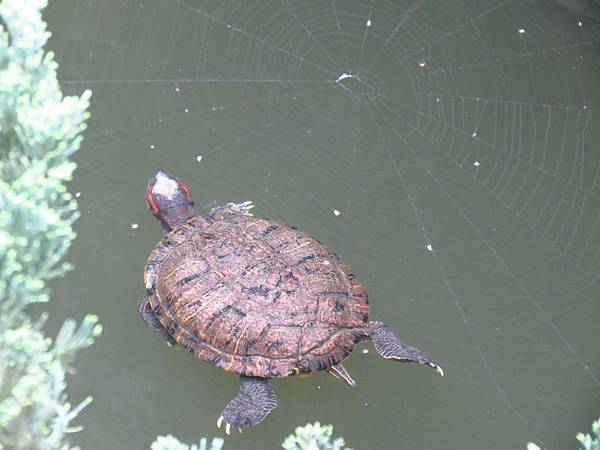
(255, 297)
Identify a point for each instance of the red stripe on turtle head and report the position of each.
(150, 201)
(185, 189)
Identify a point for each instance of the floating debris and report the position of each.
(476, 163)
(369, 22)
(521, 30)
(430, 248)
(77, 194)
(134, 226)
(336, 212)
(343, 76)
(365, 350)
(199, 158)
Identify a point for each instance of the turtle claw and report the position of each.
(227, 425)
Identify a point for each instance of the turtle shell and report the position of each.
(255, 296)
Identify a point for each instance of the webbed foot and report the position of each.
(240, 208)
(255, 400)
(389, 346)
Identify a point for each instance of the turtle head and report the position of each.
(169, 200)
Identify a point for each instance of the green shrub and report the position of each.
(588, 442)
(309, 437)
(39, 130)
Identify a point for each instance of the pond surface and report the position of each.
(448, 153)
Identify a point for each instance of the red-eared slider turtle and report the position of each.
(255, 297)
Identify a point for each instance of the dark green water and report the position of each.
(459, 143)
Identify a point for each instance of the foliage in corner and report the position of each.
(171, 443)
(588, 442)
(39, 130)
(309, 437)
(314, 437)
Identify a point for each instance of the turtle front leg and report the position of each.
(389, 346)
(147, 313)
(255, 400)
(240, 208)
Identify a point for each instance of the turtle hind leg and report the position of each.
(147, 313)
(389, 346)
(255, 400)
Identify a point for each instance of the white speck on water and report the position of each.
(318, 387)
(366, 403)
(422, 64)
(474, 134)
(199, 158)
(365, 350)
(369, 22)
(77, 194)
(134, 226)
(89, 211)
(176, 89)
(430, 248)
(476, 163)
(336, 212)
(521, 30)
(437, 99)
(580, 23)
(343, 77)
(186, 110)
(228, 26)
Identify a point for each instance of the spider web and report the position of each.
(448, 153)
